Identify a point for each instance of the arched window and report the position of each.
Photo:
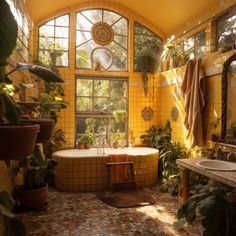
(53, 48)
(144, 41)
(101, 40)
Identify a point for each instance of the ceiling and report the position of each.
(168, 15)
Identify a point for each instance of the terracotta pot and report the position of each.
(46, 128)
(115, 145)
(17, 141)
(81, 146)
(33, 199)
(86, 145)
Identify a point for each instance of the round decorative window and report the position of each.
(101, 58)
(101, 28)
(102, 33)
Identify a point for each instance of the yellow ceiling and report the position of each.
(168, 15)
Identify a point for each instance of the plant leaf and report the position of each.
(12, 110)
(44, 73)
(6, 200)
(178, 224)
(8, 31)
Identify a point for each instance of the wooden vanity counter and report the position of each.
(187, 165)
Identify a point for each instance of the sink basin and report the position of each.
(217, 165)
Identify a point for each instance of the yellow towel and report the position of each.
(119, 173)
(193, 88)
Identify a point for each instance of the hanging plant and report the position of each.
(147, 63)
(174, 55)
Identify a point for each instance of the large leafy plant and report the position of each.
(36, 169)
(157, 137)
(171, 175)
(211, 202)
(48, 106)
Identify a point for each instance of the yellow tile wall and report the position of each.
(137, 100)
(173, 78)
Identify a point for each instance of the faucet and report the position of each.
(231, 157)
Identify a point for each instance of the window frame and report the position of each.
(108, 115)
(54, 37)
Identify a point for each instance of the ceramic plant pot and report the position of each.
(33, 199)
(17, 141)
(46, 128)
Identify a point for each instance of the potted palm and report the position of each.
(33, 194)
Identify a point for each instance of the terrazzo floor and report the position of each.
(82, 214)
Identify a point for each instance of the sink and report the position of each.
(217, 165)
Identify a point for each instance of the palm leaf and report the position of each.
(44, 73)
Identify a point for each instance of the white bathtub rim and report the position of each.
(84, 153)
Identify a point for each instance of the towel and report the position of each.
(193, 89)
(119, 173)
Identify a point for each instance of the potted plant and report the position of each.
(80, 142)
(170, 171)
(9, 224)
(33, 194)
(213, 131)
(13, 134)
(174, 56)
(47, 109)
(117, 138)
(147, 62)
(88, 140)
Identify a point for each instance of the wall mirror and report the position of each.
(228, 128)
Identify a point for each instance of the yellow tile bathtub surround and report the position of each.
(79, 174)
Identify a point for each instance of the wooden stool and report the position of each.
(122, 184)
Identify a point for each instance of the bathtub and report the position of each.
(84, 170)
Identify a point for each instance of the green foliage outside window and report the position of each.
(145, 42)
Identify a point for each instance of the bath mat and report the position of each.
(126, 199)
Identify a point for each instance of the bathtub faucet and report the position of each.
(101, 144)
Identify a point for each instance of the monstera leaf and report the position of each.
(8, 32)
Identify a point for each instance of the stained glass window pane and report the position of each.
(91, 55)
(110, 17)
(93, 15)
